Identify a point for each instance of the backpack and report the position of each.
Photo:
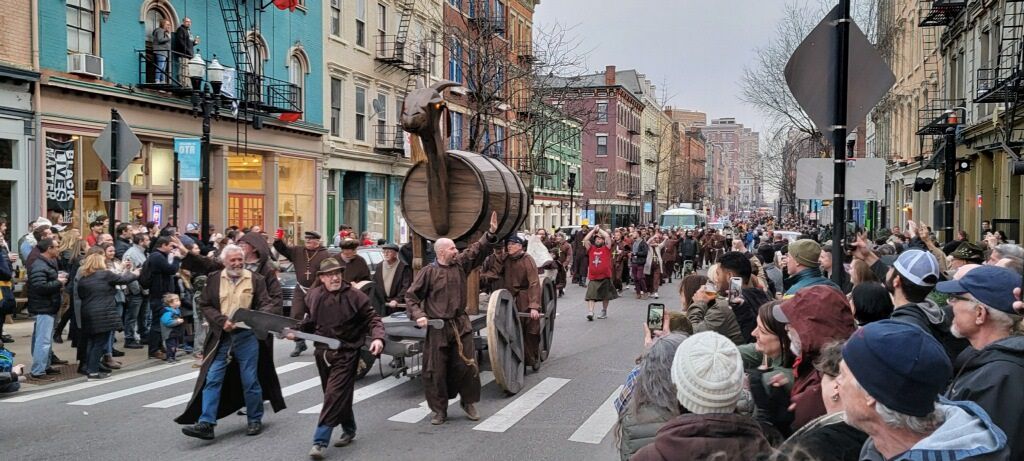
(145, 275)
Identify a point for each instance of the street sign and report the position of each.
(129, 147)
(189, 159)
(810, 75)
(865, 179)
(124, 191)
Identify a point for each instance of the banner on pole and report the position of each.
(189, 160)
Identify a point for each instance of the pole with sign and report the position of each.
(187, 167)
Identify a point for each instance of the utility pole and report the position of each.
(115, 170)
(949, 182)
(840, 66)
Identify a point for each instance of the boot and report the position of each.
(300, 347)
(470, 410)
(199, 430)
(109, 362)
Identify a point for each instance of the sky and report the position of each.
(695, 48)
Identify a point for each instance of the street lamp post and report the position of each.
(571, 182)
(205, 102)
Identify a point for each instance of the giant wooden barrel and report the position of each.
(477, 185)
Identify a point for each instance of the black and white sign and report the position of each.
(60, 175)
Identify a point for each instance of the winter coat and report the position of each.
(688, 249)
(746, 312)
(163, 269)
(806, 278)
(637, 429)
(993, 378)
(772, 402)
(827, 438)
(723, 437)
(639, 251)
(717, 317)
(182, 42)
(94, 301)
(44, 290)
(968, 433)
(817, 324)
(120, 247)
(936, 320)
(168, 328)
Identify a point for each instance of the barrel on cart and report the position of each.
(477, 186)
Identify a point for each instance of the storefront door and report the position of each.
(245, 210)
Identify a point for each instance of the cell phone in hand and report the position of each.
(735, 286)
(655, 316)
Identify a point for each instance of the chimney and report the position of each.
(609, 75)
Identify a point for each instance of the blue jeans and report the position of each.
(42, 343)
(161, 66)
(131, 317)
(322, 436)
(245, 349)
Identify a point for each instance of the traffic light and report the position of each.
(963, 165)
(923, 184)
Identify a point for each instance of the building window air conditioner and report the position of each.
(85, 64)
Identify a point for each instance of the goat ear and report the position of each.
(448, 121)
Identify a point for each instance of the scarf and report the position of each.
(388, 272)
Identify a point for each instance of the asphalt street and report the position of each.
(563, 413)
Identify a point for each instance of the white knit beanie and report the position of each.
(708, 373)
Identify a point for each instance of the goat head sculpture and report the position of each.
(421, 115)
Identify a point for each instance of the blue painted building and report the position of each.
(267, 149)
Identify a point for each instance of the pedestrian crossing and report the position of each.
(512, 411)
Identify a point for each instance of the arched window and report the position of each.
(256, 53)
(154, 11)
(298, 68)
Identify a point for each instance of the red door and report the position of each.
(245, 210)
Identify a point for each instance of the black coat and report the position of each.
(94, 301)
(121, 246)
(993, 378)
(399, 283)
(43, 287)
(182, 42)
(162, 272)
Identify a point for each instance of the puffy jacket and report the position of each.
(716, 316)
(640, 249)
(807, 278)
(43, 287)
(723, 437)
(993, 378)
(688, 248)
(637, 429)
(94, 296)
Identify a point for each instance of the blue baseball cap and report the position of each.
(991, 285)
(920, 267)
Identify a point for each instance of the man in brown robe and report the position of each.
(238, 368)
(516, 272)
(305, 260)
(439, 292)
(392, 279)
(668, 255)
(354, 267)
(336, 310)
(562, 252)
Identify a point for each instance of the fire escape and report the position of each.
(398, 53)
(1003, 83)
(938, 111)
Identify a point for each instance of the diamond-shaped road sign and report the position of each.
(129, 147)
(810, 75)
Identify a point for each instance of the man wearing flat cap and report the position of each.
(354, 267)
(991, 371)
(305, 259)
(392, 278)
(337, 310)
(515, 271)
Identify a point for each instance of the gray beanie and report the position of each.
(708, 374)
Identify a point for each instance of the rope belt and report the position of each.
(458, 342)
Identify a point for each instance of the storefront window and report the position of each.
(93, 173)
(352, 199)
(245, 172)
(161, 164)
(376, 211)
(295, 208)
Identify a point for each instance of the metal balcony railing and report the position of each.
(268, 94)
(390, 138)
(941, 12)
(938, 115)
(411, 57)
(163, 72)
(999, 84)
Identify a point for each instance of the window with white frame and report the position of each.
(81, 24)
(602, 145)
(382, 113)
(361, 23)
(336, 106)
(455, 61)
(336, 18)
(601, 180)
(499, 141)
(455, 142)
(602, 112)
(297, 76)
(360, 113)
(382, 19)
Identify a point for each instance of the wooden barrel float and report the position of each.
(477, 185)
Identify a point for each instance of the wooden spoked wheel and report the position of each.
(505, 342)
(549, 304)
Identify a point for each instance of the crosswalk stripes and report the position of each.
(86, 385)
(596, 427)
(136, 390)
(300, 386)
(415, 415)
(365, 392)
(521, 406)
(184, 398)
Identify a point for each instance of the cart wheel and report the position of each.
(549, 302)
(505, 342)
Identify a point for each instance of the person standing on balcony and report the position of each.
(162, 49)
(182, 46)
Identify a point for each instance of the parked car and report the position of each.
(286, 275)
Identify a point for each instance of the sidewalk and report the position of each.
(21, 331)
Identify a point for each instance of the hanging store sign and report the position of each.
(60, 175)
(189, 159)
